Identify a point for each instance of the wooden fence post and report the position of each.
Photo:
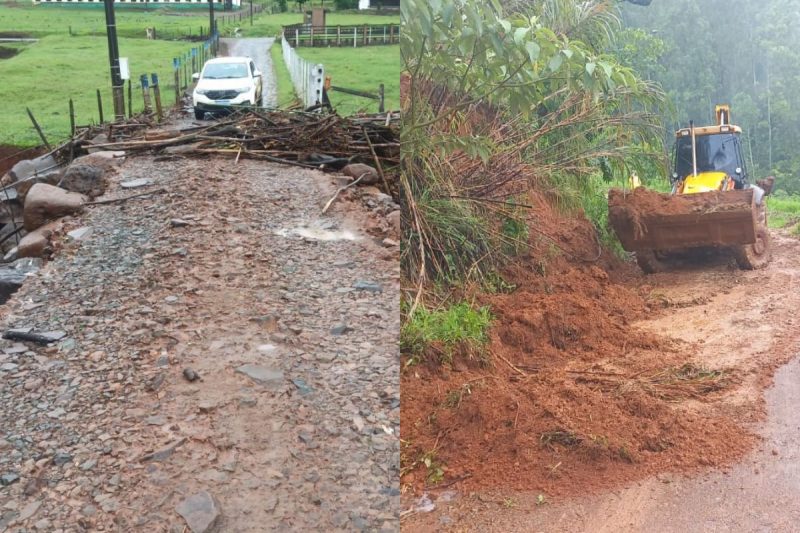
(145, 93)
(100, 105)
(176, 72)
(338, 36)
(381, 98)
(130, 98)
(71, 118)
(157, 94)
(39, 130)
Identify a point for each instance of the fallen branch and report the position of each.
(340, 189)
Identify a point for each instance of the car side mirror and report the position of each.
(196, 76)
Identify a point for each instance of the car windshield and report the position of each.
(225, 71)
(715, 153)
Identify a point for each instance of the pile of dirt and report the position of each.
(645, 201)
(577, 398)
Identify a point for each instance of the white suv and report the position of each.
(226, 82)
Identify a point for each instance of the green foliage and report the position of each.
(783, 210)
(594, 201)
(515, 233)
(345, 4)
(459, 327)
(492, 97)
(748, 60)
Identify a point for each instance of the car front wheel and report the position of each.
(199, 114)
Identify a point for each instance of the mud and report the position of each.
(615, 380)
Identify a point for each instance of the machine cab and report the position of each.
(709, 158)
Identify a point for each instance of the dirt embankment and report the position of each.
(11, 155)
(601, 375)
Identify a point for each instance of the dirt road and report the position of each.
(258, 50)
(744, 322)
(229, 353)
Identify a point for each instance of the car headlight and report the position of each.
(242, 90)
(201, 91)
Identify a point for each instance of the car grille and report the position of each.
(222, 95)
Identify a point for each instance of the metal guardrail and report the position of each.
(308, 78)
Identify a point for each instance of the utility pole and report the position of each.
(251, 12)
(210, 18)
(117, 88)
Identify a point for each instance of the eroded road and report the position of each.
(744, 322)
(230, 356)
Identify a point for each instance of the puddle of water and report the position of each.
(319, 234)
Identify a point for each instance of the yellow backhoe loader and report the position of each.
(712, 203)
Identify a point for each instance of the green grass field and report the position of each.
(286, 95)
(783, 210)
(46, 74)
(362, 69)
(39, 21)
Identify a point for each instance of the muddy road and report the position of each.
(744, 322)
(229, 356)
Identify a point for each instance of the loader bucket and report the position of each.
(648, 220)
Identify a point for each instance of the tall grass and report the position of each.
(458, 328)
(783, 210)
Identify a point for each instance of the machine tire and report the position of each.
(756, 255)
(649, 262)
(199, 115)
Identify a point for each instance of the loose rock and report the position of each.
(46, 202)
(200, 511)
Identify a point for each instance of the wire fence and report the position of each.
(308, 78)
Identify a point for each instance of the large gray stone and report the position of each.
(14, 275)
(46, 202)
(201, 512)
(84, 179)
(267, 377)
(29, 167)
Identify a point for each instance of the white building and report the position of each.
(376, 4)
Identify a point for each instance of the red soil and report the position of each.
(575, 399)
